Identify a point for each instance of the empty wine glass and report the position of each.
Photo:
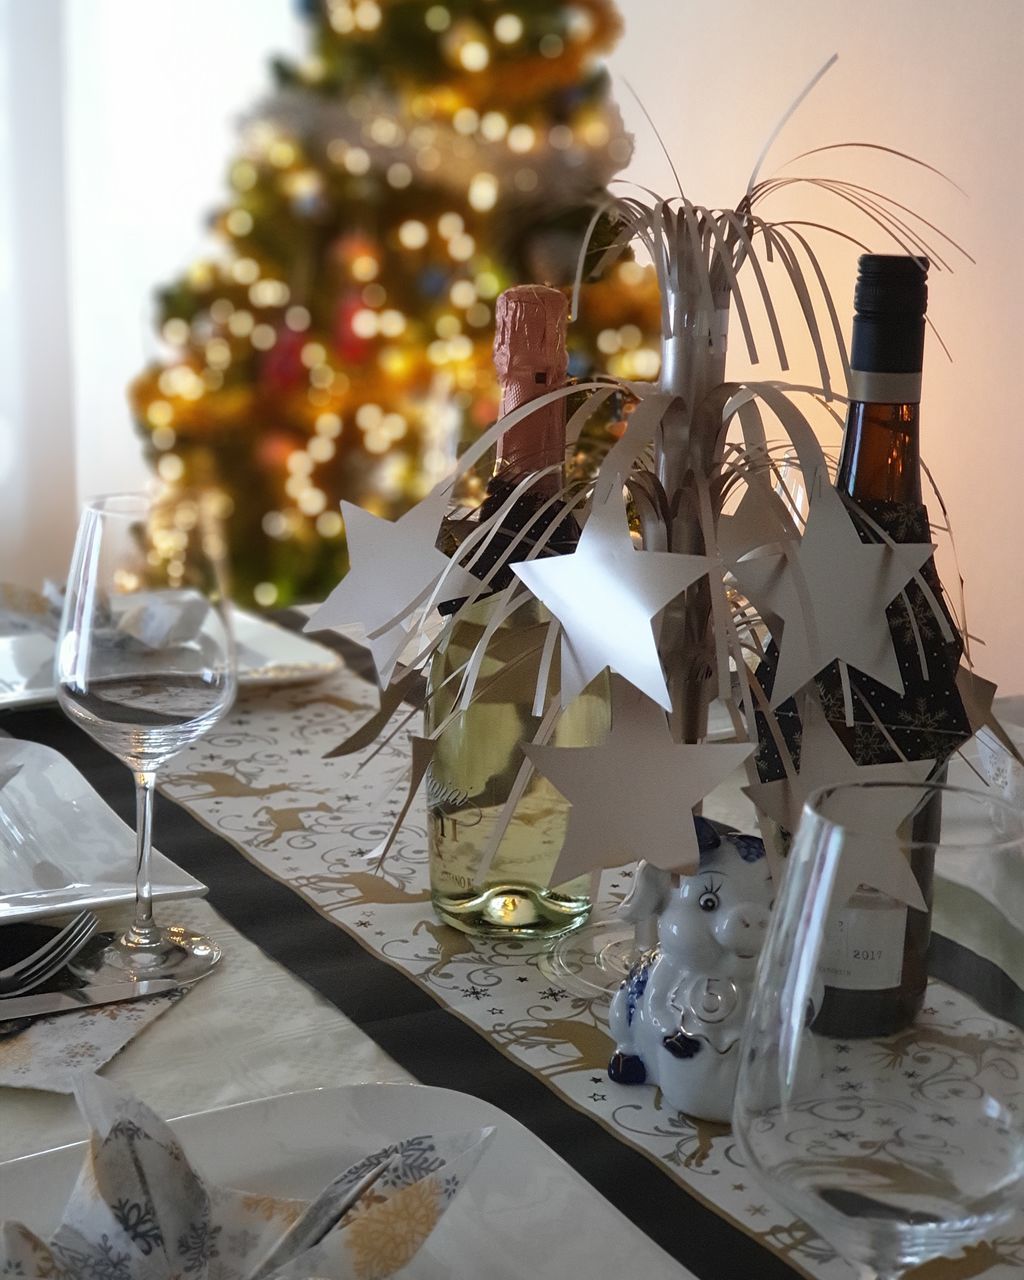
(145, 664)
(881, 1091)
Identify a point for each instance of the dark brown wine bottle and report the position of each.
(875, 962)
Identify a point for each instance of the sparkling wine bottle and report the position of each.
(874, 965)
(479, 754)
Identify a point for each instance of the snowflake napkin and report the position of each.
(54, 1051)
(139, 1211)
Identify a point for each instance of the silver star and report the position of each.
(633, 796)
(606, 595)
(831, 591)
(977, 695)
(394, 567)
(871, 851)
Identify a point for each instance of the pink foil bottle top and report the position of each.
(531, 359)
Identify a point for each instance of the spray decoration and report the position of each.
(731, 571)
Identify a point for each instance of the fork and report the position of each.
(49, 958)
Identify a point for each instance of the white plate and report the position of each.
(63, 848)
(523, 1212)
(267, 653)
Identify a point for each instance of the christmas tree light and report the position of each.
(418, 161)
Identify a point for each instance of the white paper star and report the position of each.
(760, 519)
(825, 762)
(633, 796)
(831, 592)
(977, 695)
(606, 595)
(394, 566)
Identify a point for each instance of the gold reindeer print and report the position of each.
(975, 1260)
(361, 888)
(205, 784)
(705, 1133)
(574, 1045)
(450, 943)
(287, 822)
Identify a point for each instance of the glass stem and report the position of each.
(143, 932)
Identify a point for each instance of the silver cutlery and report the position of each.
(85, 997)
(42, 964)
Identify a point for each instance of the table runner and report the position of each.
(476, 1016)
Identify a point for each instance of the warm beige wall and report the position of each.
(940, 79)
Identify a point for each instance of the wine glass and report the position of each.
(145, 664)
(881, 1087)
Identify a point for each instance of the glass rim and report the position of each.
(125, 502)
(132, 502)
(990, 798)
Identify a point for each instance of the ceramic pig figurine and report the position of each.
(678, 1016)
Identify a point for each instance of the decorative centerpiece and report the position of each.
(698, 575)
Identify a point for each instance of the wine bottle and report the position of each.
(478, 754)
(875, 961)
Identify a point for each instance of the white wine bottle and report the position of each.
(479, 754)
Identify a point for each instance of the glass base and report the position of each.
(177, 953)
(513, 911)
(593, 962)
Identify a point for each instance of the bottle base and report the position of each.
(512, 911)
(867, 1015)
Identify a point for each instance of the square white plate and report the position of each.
(523, 1212)
(62, 847)
(267, 653)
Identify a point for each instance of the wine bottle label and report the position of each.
(863, 948)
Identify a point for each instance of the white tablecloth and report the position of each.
(249, 1030)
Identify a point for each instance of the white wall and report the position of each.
(37, 481)
(152, 88)
(153, 91)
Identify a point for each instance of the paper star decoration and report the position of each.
(606, 595)
(831, 591)
(395, 566)
(872, 853)
(633, 796)
(760, 519)
(977, 695)
(825, 762)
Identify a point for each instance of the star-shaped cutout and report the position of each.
(977, 695)
(871, 852)
(633, 796)
(606, 595)
(877, 861)
(831, 592)
(394, 567)
(824, 762)
(760, 519)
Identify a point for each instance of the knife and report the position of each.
(82, 997)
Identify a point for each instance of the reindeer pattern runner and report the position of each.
(261, 781)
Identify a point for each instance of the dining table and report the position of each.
(336, 971)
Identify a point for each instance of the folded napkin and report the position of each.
(53, 1051)
(139, 1211)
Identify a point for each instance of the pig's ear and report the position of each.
(650, 892)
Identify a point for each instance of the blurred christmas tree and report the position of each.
(420, 160)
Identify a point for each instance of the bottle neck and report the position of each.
(880, 460)
(536, 443)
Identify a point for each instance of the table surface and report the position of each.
(328, 980)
